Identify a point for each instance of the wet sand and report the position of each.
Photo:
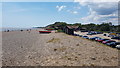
(54, 49)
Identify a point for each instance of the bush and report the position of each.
(59, 30)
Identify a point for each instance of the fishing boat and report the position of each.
(44, 31)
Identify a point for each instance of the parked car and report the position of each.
(90, 34)
(113, 44)
(80, 35)
(94, 38)
(118, 46)
(76, 34)
(85, 37)
(101, 40)
(98, 38)
(116, 38)
(111, 35)
(108, 41)
(99, 32)
(84, 31)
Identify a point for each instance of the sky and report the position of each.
(39, 14)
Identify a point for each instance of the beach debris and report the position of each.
(77, 45)
(62, 48)
(84, 65)
(96, 53)
(93, 58)
(92, 64)
(69, 58)
(55, 49)
(54, 40)
(76, 57)
(21, 46)
(79, 54)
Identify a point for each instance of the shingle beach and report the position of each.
(54, 49)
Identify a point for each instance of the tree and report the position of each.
(77, 24)
(90, 27)
(105, 27)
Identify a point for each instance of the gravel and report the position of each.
(54, 49)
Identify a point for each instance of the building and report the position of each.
(83, 29)
(70, 29)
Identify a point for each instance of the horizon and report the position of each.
(53, 23)
(41, 14)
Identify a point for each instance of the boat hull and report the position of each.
(44, 31)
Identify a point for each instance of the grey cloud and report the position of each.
(104, 8)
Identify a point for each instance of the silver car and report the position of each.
(118, 46)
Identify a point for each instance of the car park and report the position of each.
(108, 41)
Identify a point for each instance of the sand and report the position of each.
(54, 49)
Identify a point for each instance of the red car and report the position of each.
(101, 40)
(108, 41)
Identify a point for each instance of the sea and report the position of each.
(14, 29)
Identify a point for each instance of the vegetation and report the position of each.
(59, 30)
(104, 27)
(54, 40)
(52, 28)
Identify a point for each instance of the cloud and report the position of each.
(74, 12)
(86, 1)
(100, 11)
(96, 18)
(78, 7)
(60, 7)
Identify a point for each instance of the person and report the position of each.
(29, 30)
(21, 30)
(7, 30)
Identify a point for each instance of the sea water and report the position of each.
(13, 29)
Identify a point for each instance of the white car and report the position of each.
(118, 46)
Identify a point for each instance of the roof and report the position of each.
(72, 27)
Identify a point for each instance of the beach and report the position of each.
(24, 48)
